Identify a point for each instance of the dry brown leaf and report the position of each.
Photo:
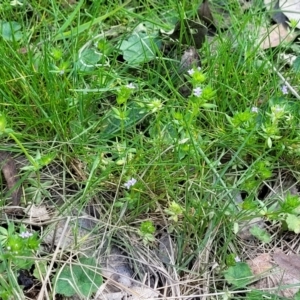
(276, 275)
(290, 263)
(260, 264)
(291, 8)
(274, 36)
(135, 293)
(37, 213)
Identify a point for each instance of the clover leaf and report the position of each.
(10, 31)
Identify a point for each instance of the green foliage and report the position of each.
(146, 231)
(78, 279)
(139, 48)
(174, 211)
(195, 141)
(296, 64)
(256, 294)
(261, 234)
(18, 252)
(10, 31)
(293, 222)
(239, 275)
(291, 204)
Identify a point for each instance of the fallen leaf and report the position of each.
(190, 33)
(274, 36)
(260, 264)
(275, 12)
(290, 263)
(291, 8)
(275, 275)
(205, 14)
(37, 213)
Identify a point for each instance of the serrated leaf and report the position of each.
(239, 275)
(139, 48)
(261, 234)
(293, 223)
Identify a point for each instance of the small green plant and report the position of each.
(81, 279)
(18, 252)
(174, 211)
(146, 231)
(239, 275)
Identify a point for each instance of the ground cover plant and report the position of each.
(157, 145)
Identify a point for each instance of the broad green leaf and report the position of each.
(139, 48)
(80, 279)
(239, 275)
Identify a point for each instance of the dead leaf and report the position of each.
(260, 264)
(290, 263)
(205, 14)
(189, 59)
(190, 33)
(291, 8)
(270, 4)
(274, 10)
(274, 36)
(216, 14)
(37, 213)
(135, 293)
(276, 275)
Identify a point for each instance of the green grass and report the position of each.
(192, 160)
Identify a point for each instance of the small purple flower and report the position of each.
(131, 182)
(197, 91)
(25, 235)
(254, 109)
(191, 72)
(130, 86)
(284, 90)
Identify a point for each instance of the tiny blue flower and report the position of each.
(131, 182)
(284, 90)
(25, 235)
